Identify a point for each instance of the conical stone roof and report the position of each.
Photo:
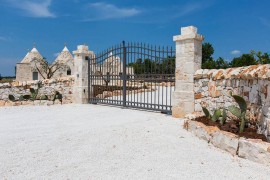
(64, 56)
(33, 54)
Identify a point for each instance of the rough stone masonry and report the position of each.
(48, 87)
(212, 89)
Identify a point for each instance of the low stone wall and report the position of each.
(252, 149)
(48, 87)
(212, 89)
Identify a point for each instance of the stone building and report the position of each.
(30, 66)
(112, 65)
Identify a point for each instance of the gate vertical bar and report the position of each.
(124, 74)
(89, 78)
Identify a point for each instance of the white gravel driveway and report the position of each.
(101, 142)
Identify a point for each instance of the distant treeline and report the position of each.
(4, 79)
(252, 58)
(156, 66)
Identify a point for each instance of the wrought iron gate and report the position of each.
(133, 75)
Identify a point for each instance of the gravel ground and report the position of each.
(101, 142)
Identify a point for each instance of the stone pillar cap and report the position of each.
(82, 49)
(188, 30)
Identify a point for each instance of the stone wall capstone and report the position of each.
(212, 89)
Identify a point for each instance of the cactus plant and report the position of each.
(239, 112)
(206, 112)
(224, 116)
(43, 97)
(216, 115)
(34, 93)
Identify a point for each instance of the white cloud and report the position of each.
(190, 8)
(235, 52)
(104, 11)
(37, 8)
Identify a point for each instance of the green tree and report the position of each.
(244, 60)
(221, 63)
(262, 58)
(168, 65)
(207, 52)
(208, 61)
(209, 64)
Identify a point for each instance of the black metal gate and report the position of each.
(133, 75)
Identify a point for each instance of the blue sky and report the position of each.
(232, 26)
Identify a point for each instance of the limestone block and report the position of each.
(218, 74)
(198, 74)
(2, 103)
(188, 30)
(253, 95)
(255, 150)
(185, 77)
(184, 86)
(9, 103)
(17, 103)
(36, 102)
(200, 130)
(182, 96)
(189, 67)
(205, 72)
(5, 85)
(182, 108)
(198, 95)
(235, 72)
(226, 141)
(178, 112)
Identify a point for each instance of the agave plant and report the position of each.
(239, 112)
(34, 93)
(217, 115)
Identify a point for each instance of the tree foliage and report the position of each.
(244, 60)
(248, 59)
(207, 52)
(148, 66)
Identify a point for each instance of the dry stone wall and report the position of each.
(48, 87)
(212, 89)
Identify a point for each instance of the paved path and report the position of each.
(101, 142)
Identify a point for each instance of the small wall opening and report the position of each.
(35, 75)
(69, 72)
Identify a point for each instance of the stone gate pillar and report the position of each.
(188, 60)
(80, 88)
